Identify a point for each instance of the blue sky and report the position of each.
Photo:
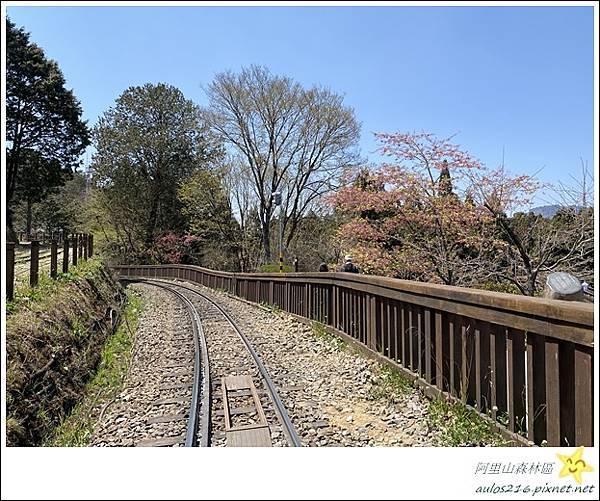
(518, 78)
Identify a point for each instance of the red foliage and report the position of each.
(174, 249)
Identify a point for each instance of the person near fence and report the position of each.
(323, 267)
(348, 266)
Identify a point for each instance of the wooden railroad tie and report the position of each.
(251, 435)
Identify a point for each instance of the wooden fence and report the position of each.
(525, 364)
(80, 245)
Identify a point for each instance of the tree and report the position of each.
(174, 249)
(210, 219)
(316, 240)
(38, 179)
(538, 246)
(463, 226)
(409, 219)
(535, 246)
(45, 135)
(292, 140)
(147, 144)
(238, 184)
(578, 192)
(66, 208)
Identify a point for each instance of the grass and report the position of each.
(335, 342)
(55, 334)
(24, 295)
(460, 425)
(273, 308)
(274, 268)
(391, 385)
(76, 429)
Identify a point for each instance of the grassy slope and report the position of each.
(54, 335)
(76, 429)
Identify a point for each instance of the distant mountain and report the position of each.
(548, 211)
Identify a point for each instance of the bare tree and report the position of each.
(238, 184)
(316, 241)
(293, 140)
(535, 245)
(578, 192)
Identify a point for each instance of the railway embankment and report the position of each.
(55, 337)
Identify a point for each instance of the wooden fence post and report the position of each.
(53, 258)
(334, 310)
(34, 263)
(85, 246)
(74, 240)
(65, 263)
(10, 270)
(372, 319)
(80, 244)
(91, 245)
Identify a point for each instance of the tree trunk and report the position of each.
(11, 234)
(28, 228)
(151, 226)
(266, 238)
(530, 287)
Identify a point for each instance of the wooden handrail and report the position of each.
(524, 363)
(567, 320)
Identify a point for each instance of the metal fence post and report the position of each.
(65, 263)
(74, 239)
(53, 258)
(10, 270)
(34, 263)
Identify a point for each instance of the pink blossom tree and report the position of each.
(414, 217)
(174, 249)
(435, 213)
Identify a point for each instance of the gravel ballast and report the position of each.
(162, 356)
(332, 394)
(329, 393)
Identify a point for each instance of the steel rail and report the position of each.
(289, 428)
(201, 371)
(26, 258)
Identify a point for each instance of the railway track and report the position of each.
(245, 407)
(22, 264)
(198, 415)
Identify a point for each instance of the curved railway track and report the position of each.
(198, 428)
(22, 264)
(198, 415)
(270, 411)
